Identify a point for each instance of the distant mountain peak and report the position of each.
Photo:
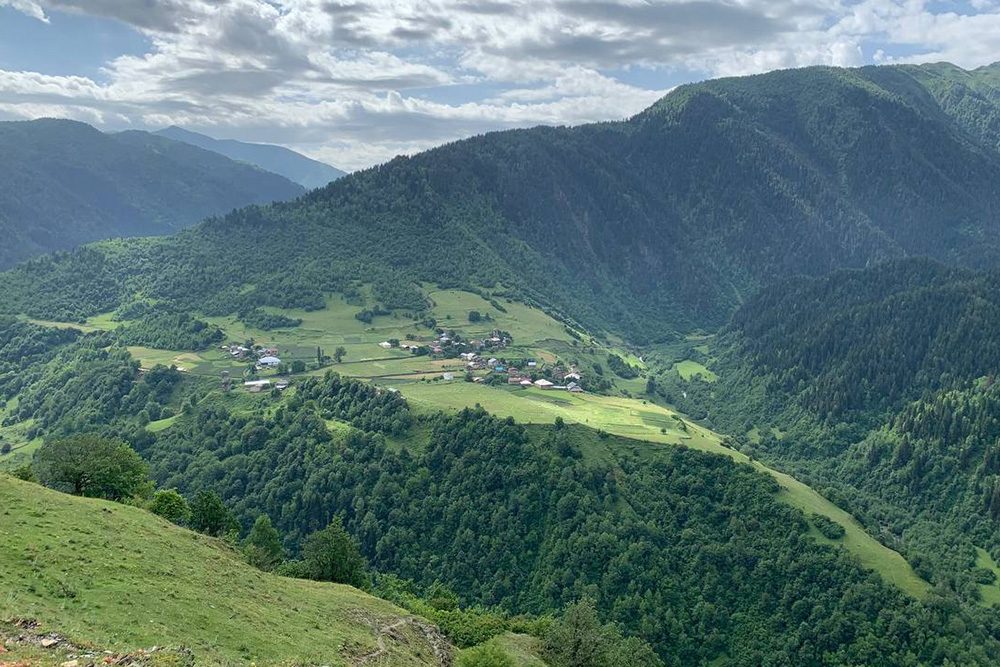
(294, 166)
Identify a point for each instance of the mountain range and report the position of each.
(294, 166)
(64, 183)
(658, 225)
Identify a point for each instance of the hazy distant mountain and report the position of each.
(293, 166)
(64, 183)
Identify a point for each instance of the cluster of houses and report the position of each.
(451, 344)
(264, 357)
(571, 382)
(564, 380)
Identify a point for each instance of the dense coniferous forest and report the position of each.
(64, 183)
(881, 384)
(791, 172)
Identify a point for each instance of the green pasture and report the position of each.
(689, 369)
(119, 578)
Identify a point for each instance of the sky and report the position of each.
(356, 82)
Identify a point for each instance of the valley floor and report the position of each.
(536, 335)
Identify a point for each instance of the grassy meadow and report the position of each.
(119, 578)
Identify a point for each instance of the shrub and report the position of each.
(486, 655)
(829, 528)
(170, 505)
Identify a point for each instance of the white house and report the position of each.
(385, 344)
(449, 376)
(268, 362)
(256, 386)
(543, 384)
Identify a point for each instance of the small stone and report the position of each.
(71, 663)
(49, 642)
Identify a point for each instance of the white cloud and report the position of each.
(28, 7)
(355, 81)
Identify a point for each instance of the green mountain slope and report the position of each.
(115, 577)
(971, 98)
(295, 167)
(661, 223)
(880, 387)
(64, 183)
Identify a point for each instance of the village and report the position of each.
(485, 355)
(488, 360)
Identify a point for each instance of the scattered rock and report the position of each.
(71, 663)
(49, 642)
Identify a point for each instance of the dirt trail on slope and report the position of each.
(439, 645)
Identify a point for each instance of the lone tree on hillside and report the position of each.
(170, 505)
(210, 515)
(89, 465)
(579, 640)
(332, 554)
(339, 353)
(263, 547)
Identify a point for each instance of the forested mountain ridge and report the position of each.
(663, 222)
(970, 97)
(64, 183)
(855, 346)
(878, 386)
(294, 166)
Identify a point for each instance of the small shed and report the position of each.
(256, 386)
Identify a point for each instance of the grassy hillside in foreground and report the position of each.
(120, 578)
